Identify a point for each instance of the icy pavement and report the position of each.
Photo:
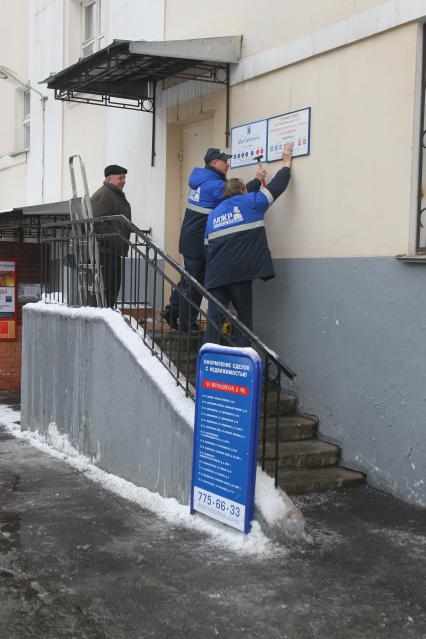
(59, 446)
(77, 560)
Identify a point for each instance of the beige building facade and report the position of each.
(364, 98)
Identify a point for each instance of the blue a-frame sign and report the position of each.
(227, 414)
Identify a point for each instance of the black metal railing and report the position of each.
(110, 262)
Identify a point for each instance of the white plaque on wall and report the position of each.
(294, 127)
(247, 142)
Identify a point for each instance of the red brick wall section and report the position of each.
(27, 271)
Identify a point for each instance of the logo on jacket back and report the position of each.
(227, 218)
(194, 194)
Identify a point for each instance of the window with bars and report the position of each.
(92, 26)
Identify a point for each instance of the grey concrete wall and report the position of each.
(354, 330)
(78, 374)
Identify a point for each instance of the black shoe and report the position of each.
(169, 317)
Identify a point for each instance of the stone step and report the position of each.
(287, 404)
(299, 482)
(183, 357)
(170, 339)
(160, 323)
(187, 362)
(290, 428)
(187, 366)
(140, 313)
(310, 453)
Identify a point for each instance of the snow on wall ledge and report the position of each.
(87, 372)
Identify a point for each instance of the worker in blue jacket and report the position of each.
(237, 248)
(206, 187)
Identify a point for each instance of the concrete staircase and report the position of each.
(306, 464)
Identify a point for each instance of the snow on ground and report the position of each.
(255, 544)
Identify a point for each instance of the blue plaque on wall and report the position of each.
(227, 413)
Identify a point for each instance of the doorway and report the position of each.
(186, 147)
(196, 139)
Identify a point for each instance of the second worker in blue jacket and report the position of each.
(206, 185)
(237, 248)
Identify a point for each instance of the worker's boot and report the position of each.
(168, 315)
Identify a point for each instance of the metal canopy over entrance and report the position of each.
(24, 224)
(126, 73)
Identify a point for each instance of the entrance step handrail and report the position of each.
(142, 239)
(149, 277)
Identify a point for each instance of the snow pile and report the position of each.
(53, 298)
(279, 513)
(57, 445)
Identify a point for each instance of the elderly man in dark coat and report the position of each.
(110, 200)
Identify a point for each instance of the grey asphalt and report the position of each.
(79, 561)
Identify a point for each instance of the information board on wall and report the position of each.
(227, 413)
(7, 299)
(247, 142)
(291, 127)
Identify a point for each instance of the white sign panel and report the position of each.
(229, 512)
(29, 292)
(247, 142)
(7, 288)
(7, 267)
(7, 301)
(294, 127)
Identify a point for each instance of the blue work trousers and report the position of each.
(188, 313)
(240, 294)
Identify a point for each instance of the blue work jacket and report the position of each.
(205, 193)
(235, 239)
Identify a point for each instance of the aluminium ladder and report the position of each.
(90, 286)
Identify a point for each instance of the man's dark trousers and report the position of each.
(188, 314)
(111, 273)
(240, 294)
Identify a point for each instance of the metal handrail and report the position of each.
(174, 348)
(147, 241)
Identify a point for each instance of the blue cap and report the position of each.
(216, 154)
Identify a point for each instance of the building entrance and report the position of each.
(186, 147)
(196, 139)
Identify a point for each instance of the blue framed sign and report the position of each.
(293, 127)
(248, 141)
(227, 413)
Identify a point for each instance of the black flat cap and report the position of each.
(114, 169)
(216, 154)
